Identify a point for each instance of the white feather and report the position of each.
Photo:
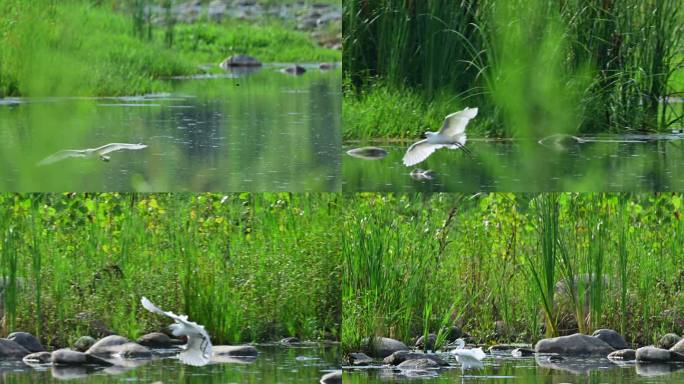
(89, 152)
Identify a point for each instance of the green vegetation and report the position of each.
(533, 67)
(512, 266)
(104, 48)
(250, 267)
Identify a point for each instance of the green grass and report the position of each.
(79, 49)
(248, 267)
(418, 263)
(534, 67)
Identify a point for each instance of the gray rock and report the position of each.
(359, 358)
(240, 61)
(431, 340)
(235, 350)
(38, 358)
(367, 153)
(332, 378)
(668, 341)
(11, 350)
(652, 354)
(67, 356)
(574, 345)
(158, 340)
(289, 340)
(84, 343)
(499, 348)
(522, 352)
(418, 364)
(381, 347)
(27, 341)
(118, 345)
(295, 70)
(611, 338)
(400, 356)
(623, 354)
(679, 347)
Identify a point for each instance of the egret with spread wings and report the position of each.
(197, 351)
(452, 135)
(101, 152)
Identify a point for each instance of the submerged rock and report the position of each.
(382, 347)
(240, 61)
(400, 356)
(27, 341)
(84, 343)
(235, 350)
(611, 337)
(294, 70)
(332, 378)
(11, 350)
(360, 358)
(574, 345)
(652, 354)
(522, 352)
(38, 358)
(158, 340)
(367, 153)
(623, 354)
(668, 341)
(67, 356)
(118, 345)
(418, 364)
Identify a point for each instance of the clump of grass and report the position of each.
(248, 267)
(512, 264)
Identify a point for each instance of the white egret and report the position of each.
(197, 351)
(452, 135)
(469, 358)
(90, 152)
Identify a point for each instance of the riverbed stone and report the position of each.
(623, 354)
(294, 70)
(574, 345)
(27, 341)
(431, 340)
(158, 340)
(118, 345)
(652, 354)
(334, 377)
(38, 358)
(418, 364)
(235, 350)
(359, 358)
(67, 356)
(11, 350)
(381, 347)
(611, 337)
(399, 357)
(240, 61)
(522, 352)
(84, 343)
(668, 341)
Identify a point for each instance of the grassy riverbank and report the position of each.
(80, 49)
(512, 267)
(250, 267)
(534, 67)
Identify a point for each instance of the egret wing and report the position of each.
(105, 149)
(198, 350)
(61, 155)
(419, 151)
(455, 123)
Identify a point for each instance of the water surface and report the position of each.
(253, 131)
(275, 364)
(507, 369)
(526, 166)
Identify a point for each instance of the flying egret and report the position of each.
(198, 349)
(451, 135)
(90, 152)
(469, 358)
